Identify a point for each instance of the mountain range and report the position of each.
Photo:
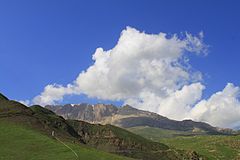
(128, 117)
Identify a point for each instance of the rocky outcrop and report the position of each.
(128, 116)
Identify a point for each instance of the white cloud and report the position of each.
(139, 66)
(151, 72)
(53, 93)
(139, 63)
(221, 109)
(176, 105)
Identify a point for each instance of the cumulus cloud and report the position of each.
(53, 93)
(151, 72)
(221, 109)
(176, 105)
(139, 63)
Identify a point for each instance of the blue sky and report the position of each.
(46, 42)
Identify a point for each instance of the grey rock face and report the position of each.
(85, 112)
(126, 117)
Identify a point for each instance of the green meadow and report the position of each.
(212, 147)
(18, 142)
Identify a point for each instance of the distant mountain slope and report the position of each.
(128, 116)
(103, 137)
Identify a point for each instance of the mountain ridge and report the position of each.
(128, 116)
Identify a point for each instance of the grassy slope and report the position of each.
(19, 142)
(22, 143)
(118, 140)
(103, 131)
(44, 121)
(156, 133)
(211, 146)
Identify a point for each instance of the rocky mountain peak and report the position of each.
(126, 116)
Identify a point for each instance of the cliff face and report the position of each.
(86, 112)
(126, 117)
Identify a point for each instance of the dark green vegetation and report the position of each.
(26, 134)
(211, 147)
(2, 97)
(117, 140)
(23, 143)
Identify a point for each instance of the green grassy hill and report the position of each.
(213, 147)
(157, 133)
(22, 143)
(26, 134)
(117, 140)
